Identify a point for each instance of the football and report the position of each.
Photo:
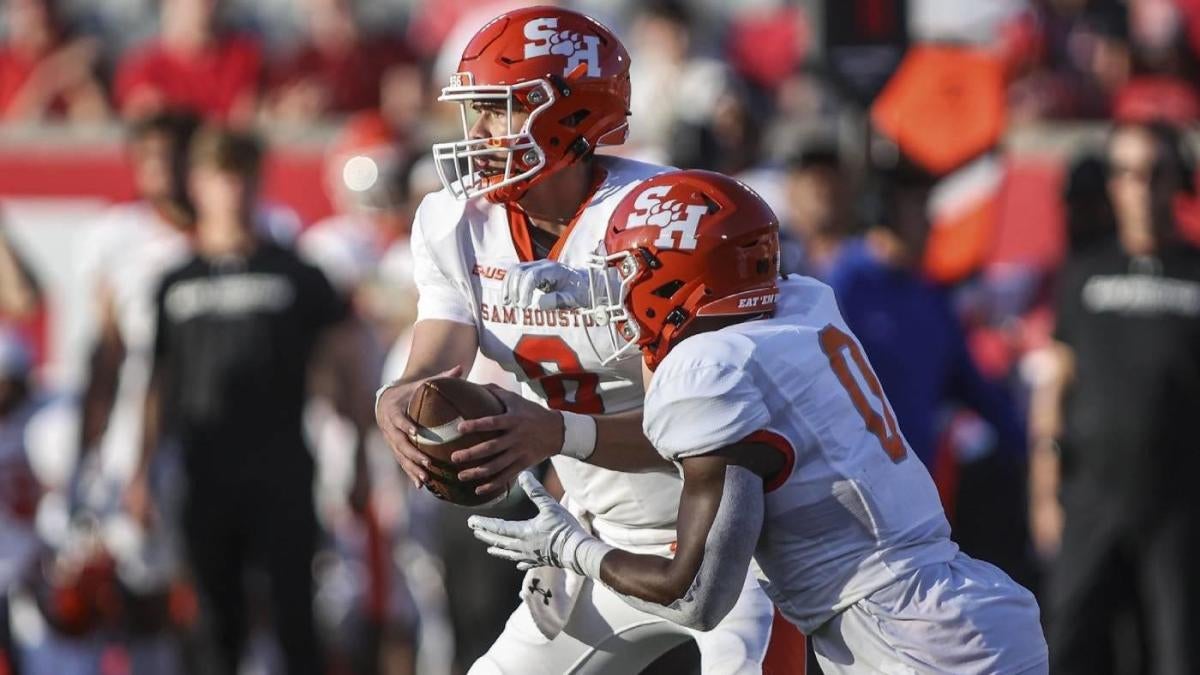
(437, 408)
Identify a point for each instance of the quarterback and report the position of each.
(539, 90)
(788, 448)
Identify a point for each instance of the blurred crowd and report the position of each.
(300, 61)
(99, 577)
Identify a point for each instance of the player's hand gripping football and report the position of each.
(531, 434)
(554, 537)
(391, 415)
(545, 284)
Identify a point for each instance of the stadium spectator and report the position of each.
(239, 324)
(715, 125)
(192, 65)
(1084, 56)
(126, 255)
(1089, 217)
(404, 101)
(766, 44)
(1114, 456)
(19, 488)
(660, 34)
(45, 72)
(687, 102)
(337, 69)
(908, 327)
(1128, 60)
(1162, 83)
(814, 221)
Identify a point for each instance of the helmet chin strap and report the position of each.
(676, 321)
(666, 337)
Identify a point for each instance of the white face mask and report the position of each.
(610, 277)
(467, 181)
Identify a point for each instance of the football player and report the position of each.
(540, 90)
(789, 453)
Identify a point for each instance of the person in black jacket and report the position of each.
(238, 327)
(1114, 453)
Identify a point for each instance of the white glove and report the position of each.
(554, 537)
(545, 284)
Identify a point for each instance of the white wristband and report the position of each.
(589, 555)
(582, 553)
(579, 435)
(379, 394)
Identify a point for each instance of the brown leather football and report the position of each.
(437, 407)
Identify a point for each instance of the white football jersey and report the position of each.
(853, 507)
(461, 250)
(127, 254)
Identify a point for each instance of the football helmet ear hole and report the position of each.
(574, 119)
(668, 289)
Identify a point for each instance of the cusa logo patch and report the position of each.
(496, 273)
(545, 39)
(677, 221)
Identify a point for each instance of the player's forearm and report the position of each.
(651, 578)
(1051, 378)
(1050, 371)
(152, 421)
(718, 530)
(620, 444)
(698, 597)
(1044, 471)
(341, 354)
(99, 394)
(437, 346)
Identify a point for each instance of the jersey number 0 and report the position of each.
(835, 344)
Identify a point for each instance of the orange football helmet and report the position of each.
(566, 70)
(681, 246)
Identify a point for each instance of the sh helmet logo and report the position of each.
(678, 221)
(545, 39)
